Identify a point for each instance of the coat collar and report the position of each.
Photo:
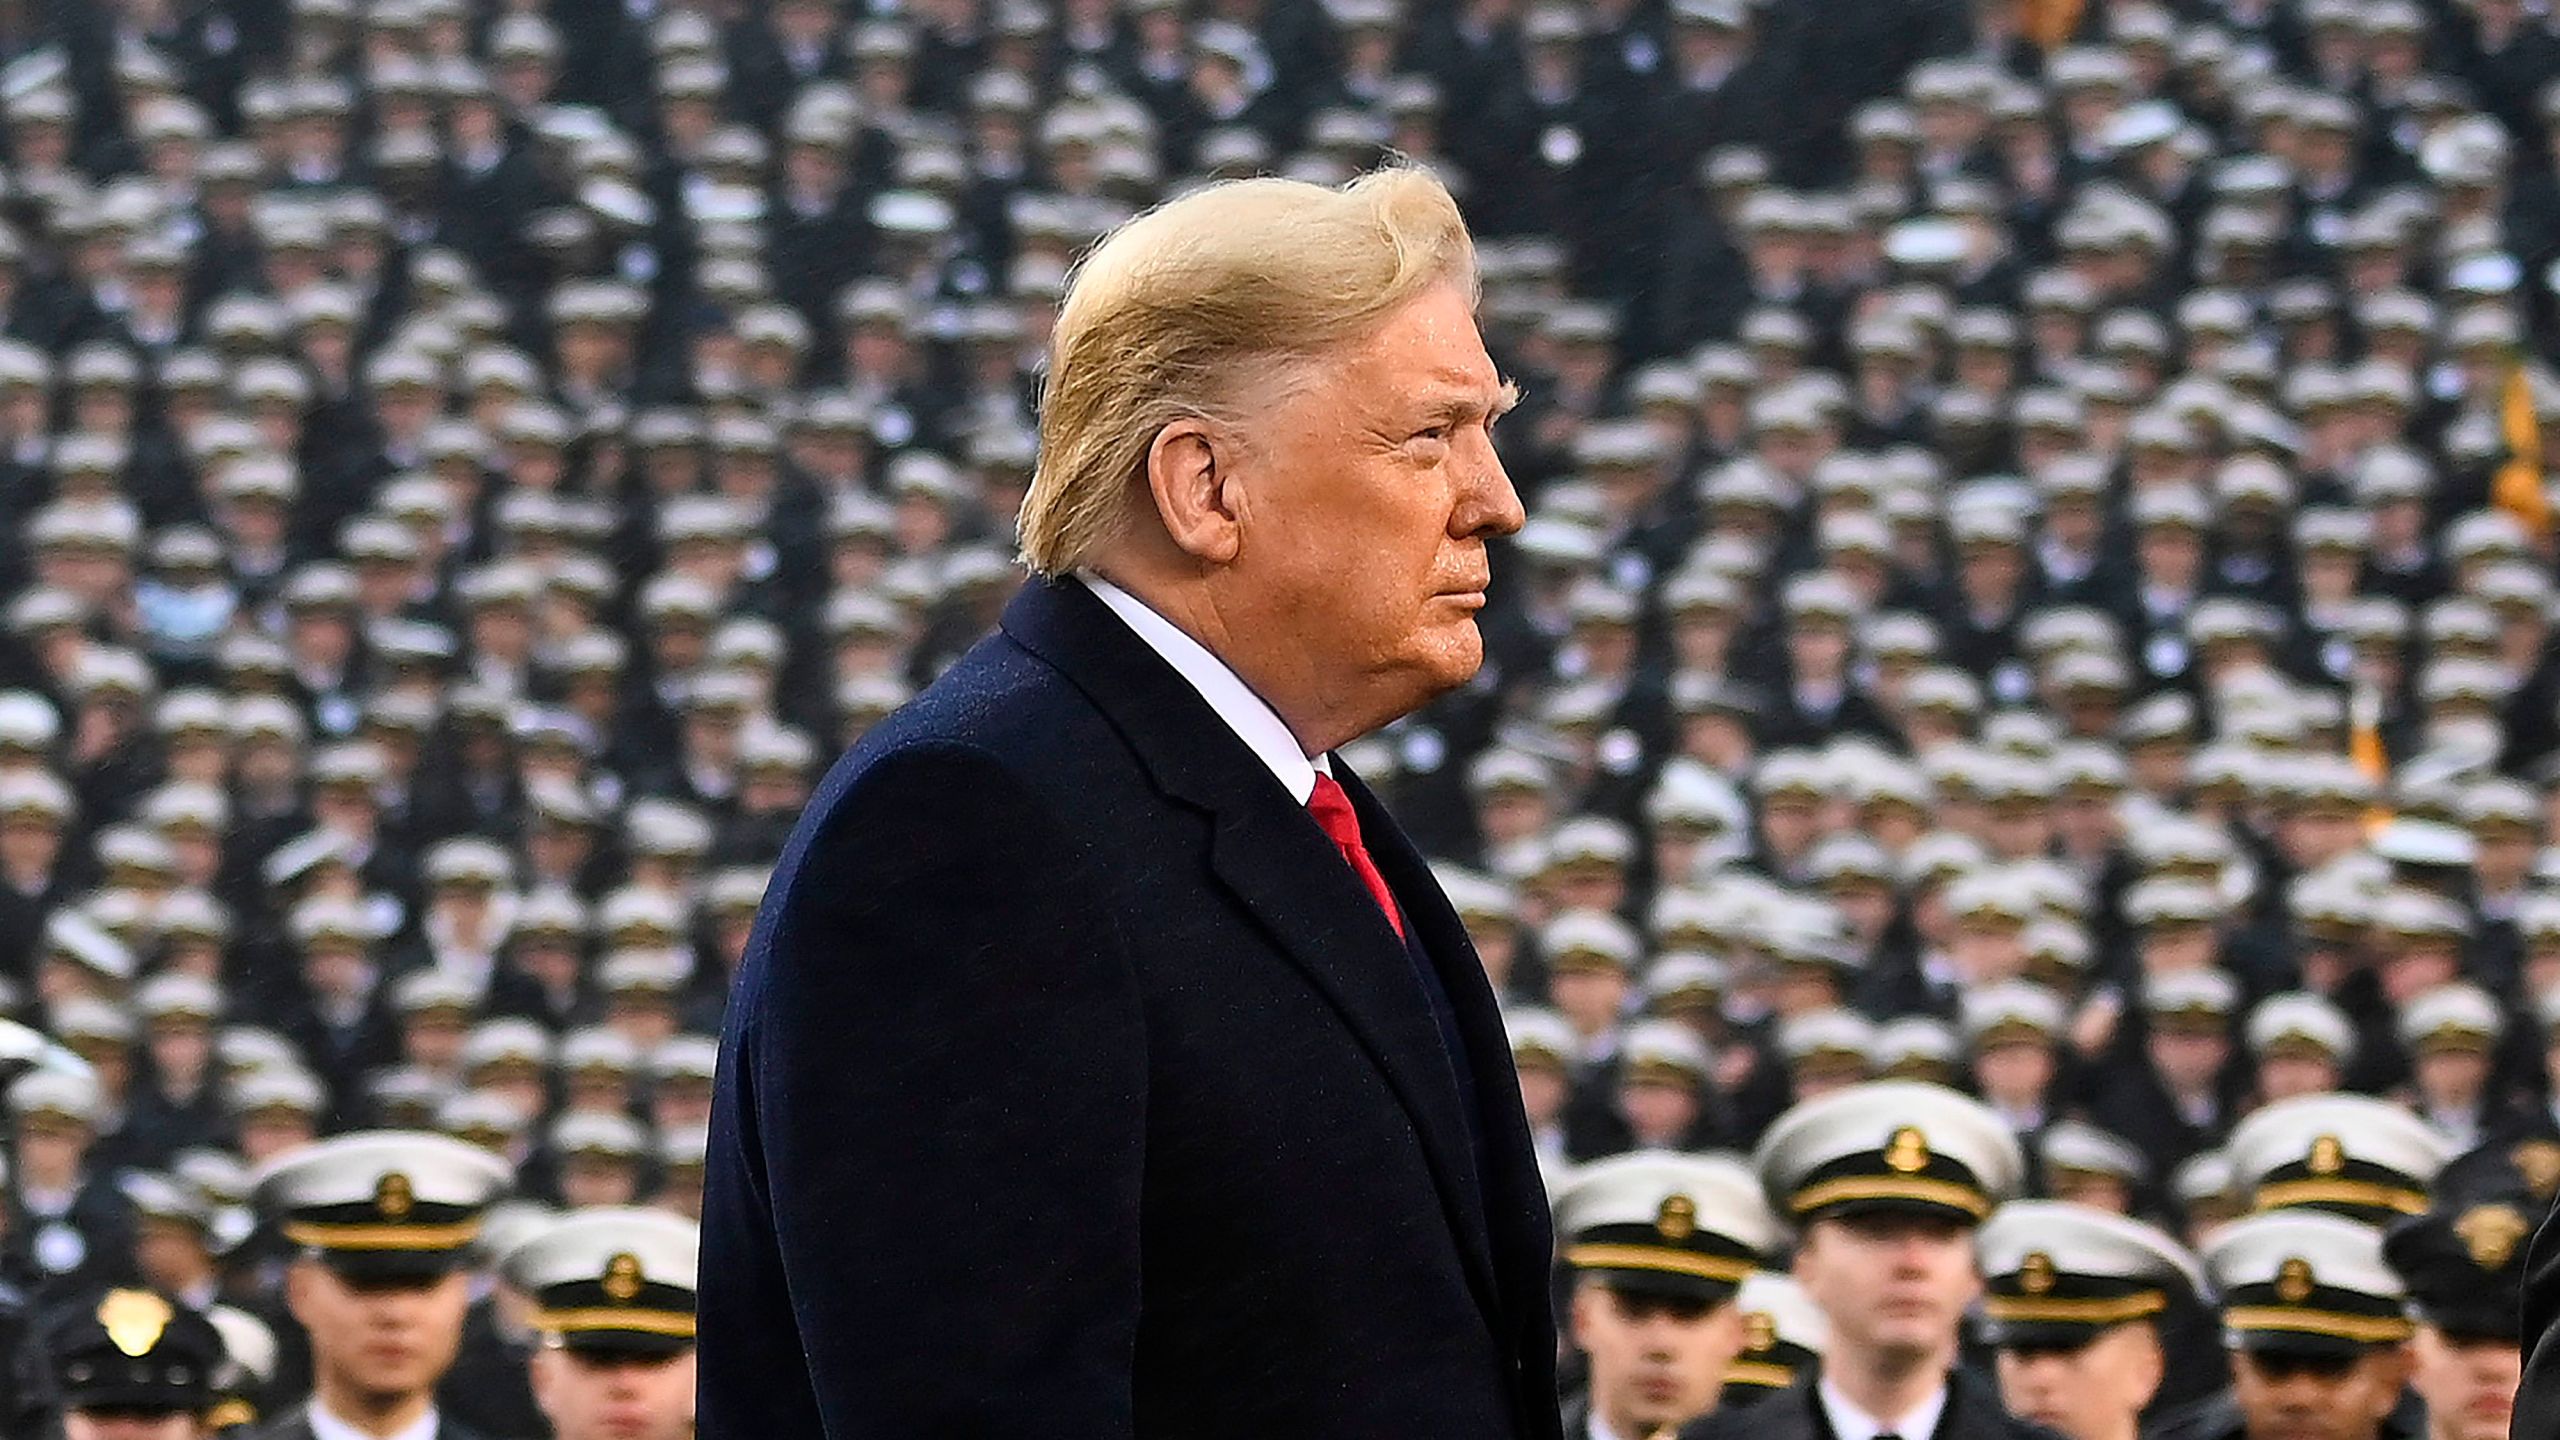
(1269, 855)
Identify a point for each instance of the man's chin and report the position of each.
(1457, 653)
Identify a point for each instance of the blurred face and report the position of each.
(1391, 442)
(596, 1397)
(49, 1152)
(2418, 967)
(434, 1040)
(170, 1256)
(377, 1341)
(1543, 1091)
(2452, 1077)
(1892, 1285)
(1591, 996)
(2189, 1060)
(1658, 1111)
(29, 845)
(2469, 1384)
(1655, 1362)
(268, 1134)
(1512, 814)
(2093, 1393)
(2014, 1074)
(2290, 1398)
(2281, 1077)
(594, 1180)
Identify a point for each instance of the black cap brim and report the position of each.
(2040, 1334)
(1902, 1206)
(2475, 1322)
(2297, 1345)
(391, 1267)
(625, 1344)
(155, 1400)
(1665, 1285)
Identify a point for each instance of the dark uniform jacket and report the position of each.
(1073, 1085)
(1973, 1413)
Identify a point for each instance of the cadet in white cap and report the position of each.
(613, 1300)
(1886, 1183)
(1544, 1055)
(68, 1216)
(1658, 1242)
(2302, 1043)
(385, 1222)
(2081, 1163)
(1663, 1070)
(2073, 1304)
(2451, 1034)
(2349, 1155)
(1783, 1335)
(2315, 1324)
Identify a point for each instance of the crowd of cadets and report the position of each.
(2039, 578)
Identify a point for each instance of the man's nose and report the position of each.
(1491, 505)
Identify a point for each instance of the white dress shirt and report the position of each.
(1848, 1422)
(1247, 714)
(325, 1426)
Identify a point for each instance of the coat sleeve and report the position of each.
(947, 1063)
(2537, 1409)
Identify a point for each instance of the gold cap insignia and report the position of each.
(2036, 1273)
(2490, 1233)
(1908, 1154)
(2294, 1281)
(2328, 1157)
(2538, 1161)
(1678, 1219)
(622, 1278)
(394, 1197)
(134, 1320)
(1759, 1330)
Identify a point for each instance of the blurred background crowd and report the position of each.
(2039, 571)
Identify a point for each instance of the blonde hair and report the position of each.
(1206, 300)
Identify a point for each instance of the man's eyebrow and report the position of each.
(1462, 404)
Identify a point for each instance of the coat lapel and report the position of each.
(1515, 1196)
(1280, 868)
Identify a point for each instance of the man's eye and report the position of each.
(1436, 432)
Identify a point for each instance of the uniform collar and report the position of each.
(325, 1426)
(1848, 1422)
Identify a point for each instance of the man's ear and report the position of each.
(1581, 1308)
(2393, 1366)
(1190, 475)
(300, 1281)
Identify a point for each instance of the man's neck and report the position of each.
(379, 1415)
(1608, 1424)
(1889, 1387)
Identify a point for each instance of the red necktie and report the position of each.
(1332, 809)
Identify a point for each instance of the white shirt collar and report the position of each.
(325, 1426)
(1247, 714)
(1848, 1422)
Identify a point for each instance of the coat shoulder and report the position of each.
(1786, 1415)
